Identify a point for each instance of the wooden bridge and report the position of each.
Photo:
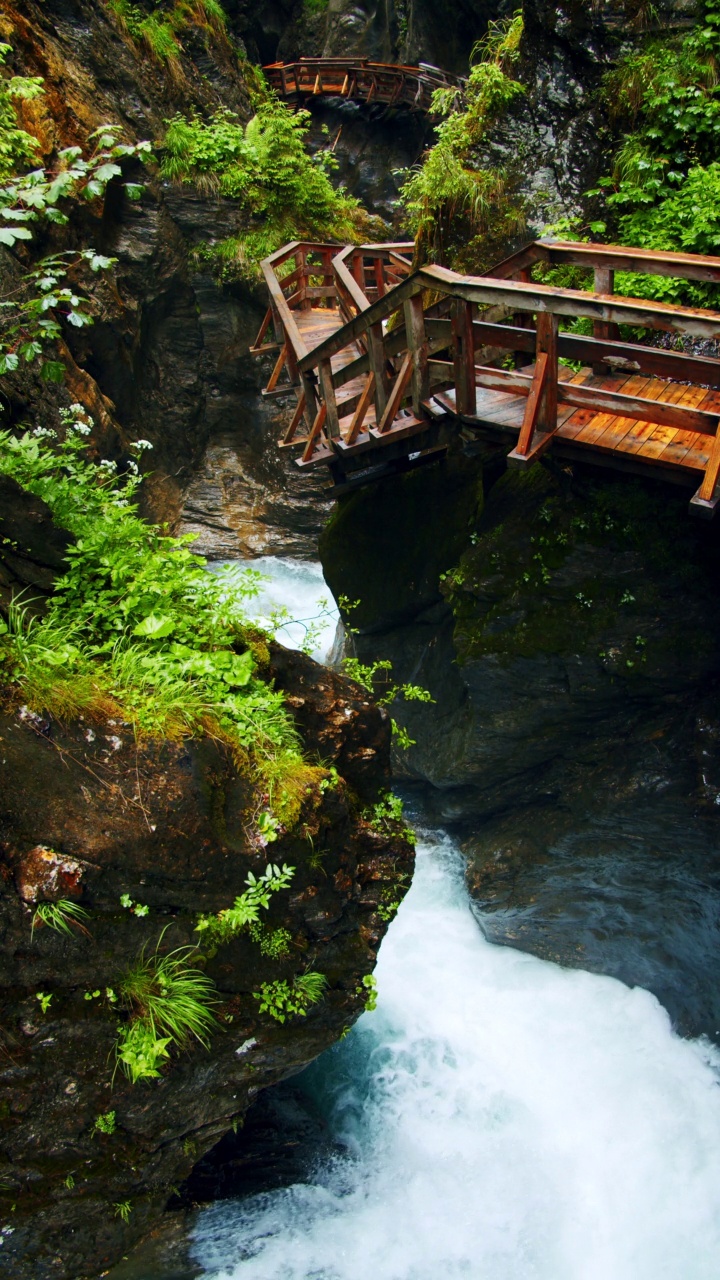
(387, 364)
(360, 80)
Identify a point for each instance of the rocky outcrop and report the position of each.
(33, 547)
(88, 815)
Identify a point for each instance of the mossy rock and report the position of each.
(387, 545)
(563, 564)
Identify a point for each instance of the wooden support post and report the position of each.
(328, 395)
(302, 284)
(527, 450)
(379, 277)
(522, 320)
(547, 343)
(463, 356)
(706, 500)
(275, 375)
(418, 348)
(289, 436)
(315, 430)
(360, 413)
(376, 357)
(604, 282)
(312, 402)
(328, 276)
(395, 397)
(358, 269)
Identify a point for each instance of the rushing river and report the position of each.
(498, 1117)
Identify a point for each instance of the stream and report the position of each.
(497, 1116)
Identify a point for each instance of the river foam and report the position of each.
(504, 1119)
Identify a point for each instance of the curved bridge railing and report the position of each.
(360, 80)
(386, 362)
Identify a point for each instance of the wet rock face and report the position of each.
(87, 815)
(578, 604)
(33, 547)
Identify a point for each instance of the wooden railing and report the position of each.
(405, 350)
(361, 80)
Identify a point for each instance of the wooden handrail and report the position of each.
(617, 257)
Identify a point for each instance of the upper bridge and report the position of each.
(360, 80)
(388, 364)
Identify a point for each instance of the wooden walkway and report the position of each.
(360, 80)
(387, 364)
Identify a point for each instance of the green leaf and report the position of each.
(154, 627)
(52, 371)
(106, 172)
(133, 190)
(8, 235)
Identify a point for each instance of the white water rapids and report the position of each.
(505, 1119)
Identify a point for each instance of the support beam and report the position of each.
(328, 395)
(604, 330)
(418, 348)
(463, 356)
(547, 343)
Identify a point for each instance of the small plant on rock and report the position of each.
(283, 1000)
(171, 1003)
(62, 916)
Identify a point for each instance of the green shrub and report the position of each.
(137, 629)
(457, 211)
(283, 192)
(663, 191)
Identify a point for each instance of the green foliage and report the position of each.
(377, 679)
(170, 1003)
(31, 315)
(17, 147)
(159, 29)
(135, 908)
(273, 943)
(215, 930)
(663, 191)
(44, 999)
(457, 211)
(62, 916)
(105, 1124)
(386, 814)
(137, 628)
(283, 1000)
(123, 1209)
(283, 193)
(369, 988)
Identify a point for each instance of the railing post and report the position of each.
(547, 342)
(522, 320)
(301, 265)
(418, 348)
(605, 330)
(463, 356)
(376, 357)
(328, 395)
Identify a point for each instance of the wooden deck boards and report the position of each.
(599, 434)
(605, 433)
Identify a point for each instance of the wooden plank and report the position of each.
(522, 455)
(402, 429)
(644, 409)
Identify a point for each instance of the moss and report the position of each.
(561, 566)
